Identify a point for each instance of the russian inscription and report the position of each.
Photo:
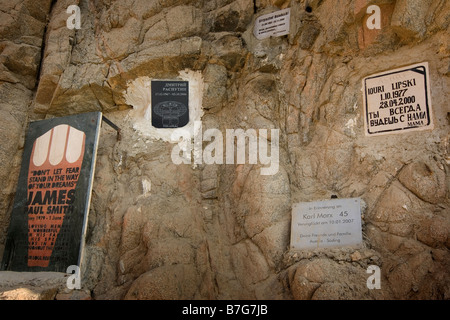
(170, 101)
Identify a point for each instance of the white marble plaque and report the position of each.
(397, 101)
(326, 224)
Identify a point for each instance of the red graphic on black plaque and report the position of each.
(54, 169)
(47, 230)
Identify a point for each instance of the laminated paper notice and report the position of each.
(325, 224)
(273, 24)
(397, 101)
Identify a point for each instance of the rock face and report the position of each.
(160, 230)
(22, 30)
(31, 285)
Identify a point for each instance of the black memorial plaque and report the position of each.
(170, 104)
(49, 216)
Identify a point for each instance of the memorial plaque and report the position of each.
(326, 224)
(273, 24)
(397, 101)
(51, 206)
(170, 104)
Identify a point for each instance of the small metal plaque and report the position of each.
(170, 104)
(325, 224)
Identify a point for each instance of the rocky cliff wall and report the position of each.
(160, 230)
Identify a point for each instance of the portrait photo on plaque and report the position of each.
(51, 205)
(170, 103)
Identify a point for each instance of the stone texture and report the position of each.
(326, 279)
(231, 17)
(426, 183)
(22, 32)
(408, 18)
(215, 91)
(165, 283)
(31, 285)
(74, 295)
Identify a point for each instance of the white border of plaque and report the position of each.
(326, 224)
